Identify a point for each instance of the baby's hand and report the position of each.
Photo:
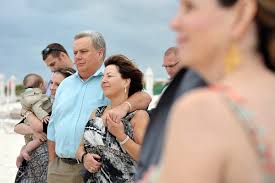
(46, 119)
(23, 112)
(41, 136)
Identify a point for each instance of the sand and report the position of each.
(10, 145)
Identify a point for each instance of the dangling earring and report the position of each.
(232, 59)
(125, 90)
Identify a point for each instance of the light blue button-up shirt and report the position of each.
(75, 100)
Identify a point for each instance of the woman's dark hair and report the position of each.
(265, 20)
(128, 70)
(66, 72)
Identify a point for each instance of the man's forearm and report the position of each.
(51, 150)
(139, 100)
(80, 152)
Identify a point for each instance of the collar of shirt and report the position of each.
(98, 73)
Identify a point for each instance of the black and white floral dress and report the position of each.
(117, 164)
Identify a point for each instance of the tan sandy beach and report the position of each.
(10, 145)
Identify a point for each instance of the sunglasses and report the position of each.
(48, 50)
(66, 72)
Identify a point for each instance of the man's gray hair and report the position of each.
(97, 40)
(171, 50)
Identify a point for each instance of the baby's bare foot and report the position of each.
(19, 160)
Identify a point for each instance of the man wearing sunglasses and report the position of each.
(56, 57)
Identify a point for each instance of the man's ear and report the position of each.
(100, 52)
(62, 55)
(246, 12)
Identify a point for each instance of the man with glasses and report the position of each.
(171, 62)
(172, 65)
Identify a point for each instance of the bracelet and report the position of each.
(125, 140)
(82, 157)
(129, 104)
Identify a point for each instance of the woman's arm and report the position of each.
(80, 151)
(89, 160)
(24, 129)
(139, 123)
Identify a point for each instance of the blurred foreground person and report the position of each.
(225, 132)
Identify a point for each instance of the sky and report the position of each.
(138, 29)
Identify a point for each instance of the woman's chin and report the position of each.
(107, 94)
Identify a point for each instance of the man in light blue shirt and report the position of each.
(76, 97)
(76, 105)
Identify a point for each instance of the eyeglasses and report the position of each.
(170, 66)
(48, 50)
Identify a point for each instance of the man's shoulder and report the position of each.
(72, 78)
(70, 81)
(187, 81)
(192, 78)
